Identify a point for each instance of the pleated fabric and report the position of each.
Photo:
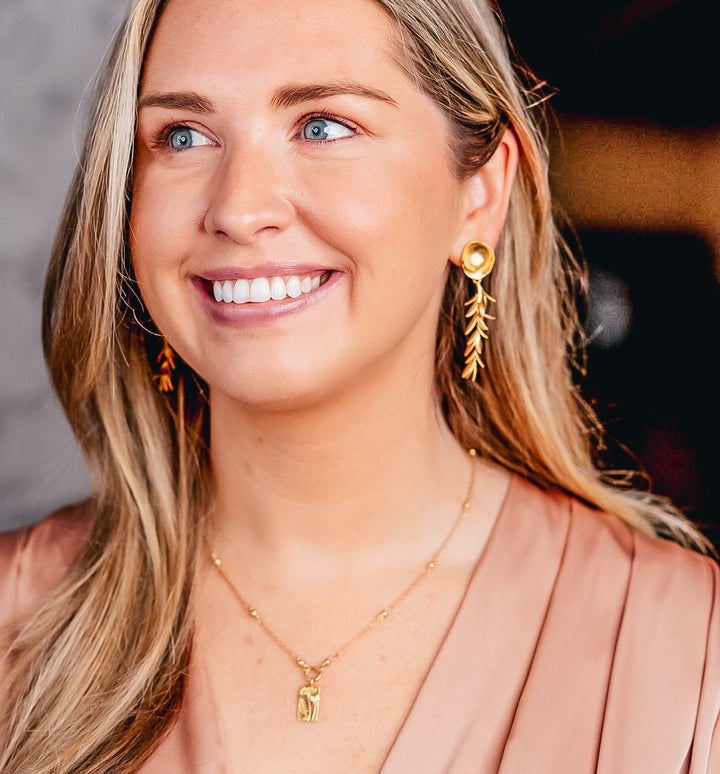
(580, 646)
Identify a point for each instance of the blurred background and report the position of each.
(635, 138)
(635, 149)
(49, 52)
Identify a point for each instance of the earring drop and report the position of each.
(477, 261)
(166, 361)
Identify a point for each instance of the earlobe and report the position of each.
(488, 197)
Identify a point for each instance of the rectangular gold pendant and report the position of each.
(308, 707)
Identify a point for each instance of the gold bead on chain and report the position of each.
(308, 704)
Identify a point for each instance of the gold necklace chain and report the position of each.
(309, 693)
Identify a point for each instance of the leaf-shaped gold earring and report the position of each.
(166, 361)
(478, 259)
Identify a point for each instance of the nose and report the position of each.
(246, 197)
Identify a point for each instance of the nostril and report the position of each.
(242, 208)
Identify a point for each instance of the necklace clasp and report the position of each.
(312, 674)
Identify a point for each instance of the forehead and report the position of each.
(247, 39)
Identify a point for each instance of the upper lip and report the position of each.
(264, 270)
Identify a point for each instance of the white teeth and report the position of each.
(241, 291)
(294, 288)
(227, 291)
(278, 291)
(262, 289)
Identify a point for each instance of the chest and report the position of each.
(256, 691)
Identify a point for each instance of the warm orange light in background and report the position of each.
(615, 176)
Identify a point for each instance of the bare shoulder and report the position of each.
(34, 559)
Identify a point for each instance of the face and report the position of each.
(293, 206)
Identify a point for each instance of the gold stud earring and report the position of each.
(477, 261)
(166, 361)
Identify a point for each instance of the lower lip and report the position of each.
(252, 313)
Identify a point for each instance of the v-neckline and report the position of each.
(486, 652)
(480, 665)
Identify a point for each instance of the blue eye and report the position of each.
(325, 129)
(184, 137)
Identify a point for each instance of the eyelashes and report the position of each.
(316, 128)
(322, 127)
(178, 136)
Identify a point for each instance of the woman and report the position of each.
(255, 320)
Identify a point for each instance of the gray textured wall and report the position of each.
(49, 52)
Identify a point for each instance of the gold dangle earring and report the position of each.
(477, 261)
(166, 361)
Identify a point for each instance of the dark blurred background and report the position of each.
(635, 144)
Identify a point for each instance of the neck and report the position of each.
(375, 467)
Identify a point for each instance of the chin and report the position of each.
(275, 389)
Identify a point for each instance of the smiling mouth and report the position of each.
(262, 289)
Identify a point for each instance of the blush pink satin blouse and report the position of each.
(580, 646)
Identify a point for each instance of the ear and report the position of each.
(487, 197)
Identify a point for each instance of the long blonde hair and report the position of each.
(97, 671)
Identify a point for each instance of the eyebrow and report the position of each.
(285, 97)
(178, 100)
(295, 94)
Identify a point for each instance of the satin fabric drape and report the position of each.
(580, 646)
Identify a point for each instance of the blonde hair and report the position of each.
(525, 412)
(98, 671)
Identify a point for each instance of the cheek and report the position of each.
(394, 204)
(153, 244)
(163, 216)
